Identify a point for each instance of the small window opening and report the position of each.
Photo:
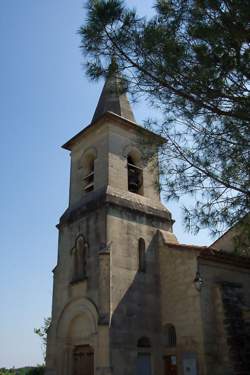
(141, 255)
(169, 336)
(88, 180)
(135, 176)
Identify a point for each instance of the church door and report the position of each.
(170, 365)
(143, 365)
(83, 360)
(189, 364)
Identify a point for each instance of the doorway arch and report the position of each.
(77, 337)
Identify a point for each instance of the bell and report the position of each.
(133, 186)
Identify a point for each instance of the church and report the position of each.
(128, 298)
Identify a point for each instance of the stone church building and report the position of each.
(128, 298)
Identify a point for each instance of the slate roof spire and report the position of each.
(113, 97)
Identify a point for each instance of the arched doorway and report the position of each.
(83, 360)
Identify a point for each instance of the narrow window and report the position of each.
(169, 336)
(172, 336)
(141, 255)
(88, 180)
(80, 252)
(135, 176)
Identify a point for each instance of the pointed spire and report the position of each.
(113, 97)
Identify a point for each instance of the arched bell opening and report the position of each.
(89, 175)
(87, 169)
(135, 175)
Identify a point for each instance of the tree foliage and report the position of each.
(38, 370)
(191, 61)
(42, 333)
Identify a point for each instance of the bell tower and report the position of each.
(106, 298)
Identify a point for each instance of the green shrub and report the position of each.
(39, 370)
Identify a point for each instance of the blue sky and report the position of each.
(45, 99)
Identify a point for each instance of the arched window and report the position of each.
(86, 166)
(141, 255)
(135, 175)
(88, 180)
(169, 335)
(80, 253)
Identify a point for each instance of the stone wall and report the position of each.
(236, 328)
(80, 312)
(135, 296)
(222, 315)
(180, 303)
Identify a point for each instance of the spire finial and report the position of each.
(113, 97)
(113, 67)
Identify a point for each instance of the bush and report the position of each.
(39, 370)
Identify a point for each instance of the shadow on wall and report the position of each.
(137, 318)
